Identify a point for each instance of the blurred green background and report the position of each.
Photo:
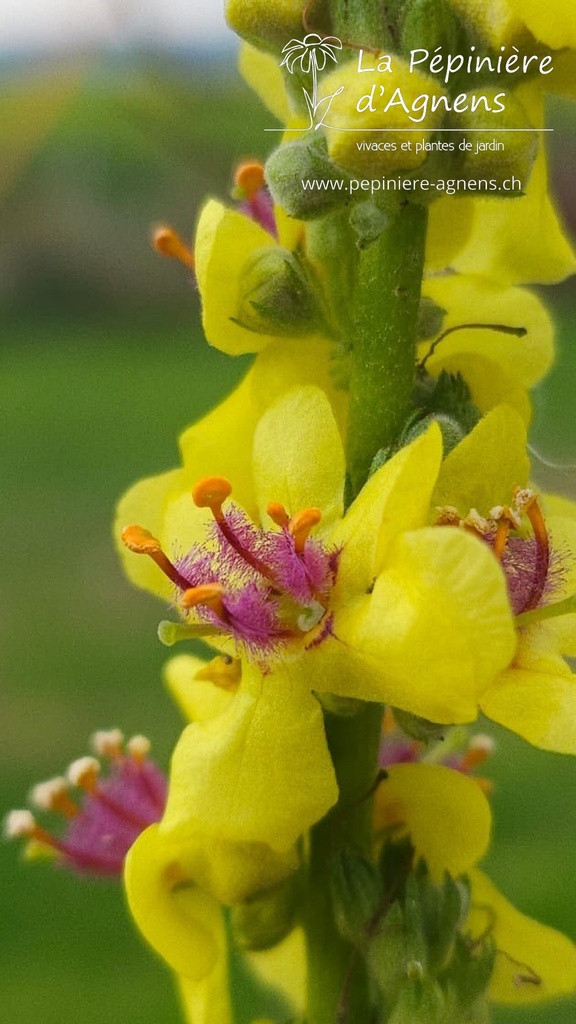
(102, 364)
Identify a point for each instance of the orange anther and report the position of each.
(168, 243)
(208, 594)
(139, 540)
(249, 178)
(210, 492)
(278, 514)
(142, 542)
(302, 523)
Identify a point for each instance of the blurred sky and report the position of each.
(50, 24)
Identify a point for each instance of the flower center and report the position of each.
(104, 815)
(263, 588)
(529, 564)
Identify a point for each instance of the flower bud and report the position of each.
(275, 294)
(395, 100)
(484, 155)
(267, 25)
(299, 161)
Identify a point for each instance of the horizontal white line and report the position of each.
(487, 131)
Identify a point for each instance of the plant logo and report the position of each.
(311, 54)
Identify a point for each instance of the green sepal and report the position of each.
(420, 1002)
(276, 294)
(368, 221)
(420, 728)
(357, 894)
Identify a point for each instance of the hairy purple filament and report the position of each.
(272, 591)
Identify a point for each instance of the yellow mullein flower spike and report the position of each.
(533, 962)
(390, 611)
(445, 813)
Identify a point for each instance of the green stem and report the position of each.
(386, 304)
(337, 983)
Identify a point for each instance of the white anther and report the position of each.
(19, 824)
(107, 742)
(481, 741)
(45, 794)
(138, 746)
(477, 522)
(524, 496)
(82, 770)
(505, 512)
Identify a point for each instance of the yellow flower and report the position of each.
(170, 893)
(375, 606)
(498, 368)
(243, 271)
(445, 813)
(182, 923)
(533, 962)
(448, 820)
(535, 695)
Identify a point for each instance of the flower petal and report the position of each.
(198, 699)
(518, 241)
(536, 697)
(445, 813)
(553, 23)
(219, 444)
(298, 456)
(224, 241)
(436, 629)
(394, 499)
(533, 962)
(261, 72)
(484, 468)
(146, 504)
(207, 1001)
(466, 298)
(489, 383)
(182, 923)
(260, 772)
